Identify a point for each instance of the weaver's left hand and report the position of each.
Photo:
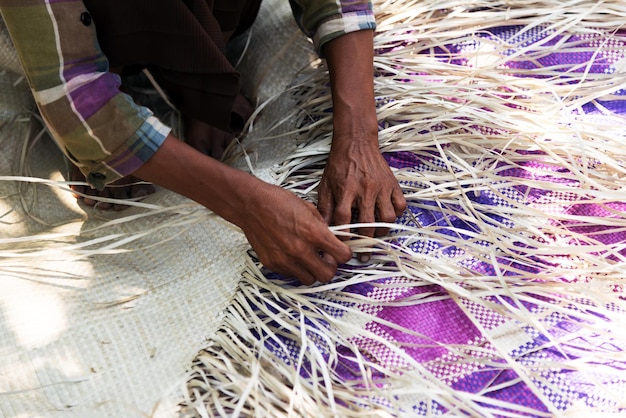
(357, 177)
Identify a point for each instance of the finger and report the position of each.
(330, 260)
(107, 193)
(386, 213)
(134, 192)
(381, 232)
(303, 275)
(293, 263)
(322, 266)
(292, 270)
(325, 204)
(367, 215)
(89, 196)
(120, 191)
(310, 268)
(335, 249)
(78, 191)
(398, 200)
(76, 175)
(343, 214)
(314, 267)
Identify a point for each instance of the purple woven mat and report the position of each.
(437, 326)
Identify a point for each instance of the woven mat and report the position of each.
(500, 290)
(497, 294)
(109, 334)
(102, 313)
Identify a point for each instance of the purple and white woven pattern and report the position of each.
(439, 331)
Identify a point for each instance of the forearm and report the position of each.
(182, 169)
(287, 232)
(350, 62)
(356, 174)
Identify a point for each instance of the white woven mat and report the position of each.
(102, 314)
(114, 334)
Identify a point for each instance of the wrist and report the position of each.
(355, 122)
(350, 65)
(355, 128)
(182, 169)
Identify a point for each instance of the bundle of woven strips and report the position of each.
(499, 292)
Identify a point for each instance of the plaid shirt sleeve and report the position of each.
(97, 126)
(324, 20)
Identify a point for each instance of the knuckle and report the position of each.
(343, 214)
(346, 256)
(307, 281)
(368, 232)
(276, 264)
(296, 250)
(366, 186)
(381, 232)
(325, 276)
(388, 217)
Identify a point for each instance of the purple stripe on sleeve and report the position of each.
(352, 6)
(88, 66)
(139, 149)
(93, 96)
(126, 162)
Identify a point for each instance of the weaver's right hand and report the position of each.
(288, 234)
(290, 237)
